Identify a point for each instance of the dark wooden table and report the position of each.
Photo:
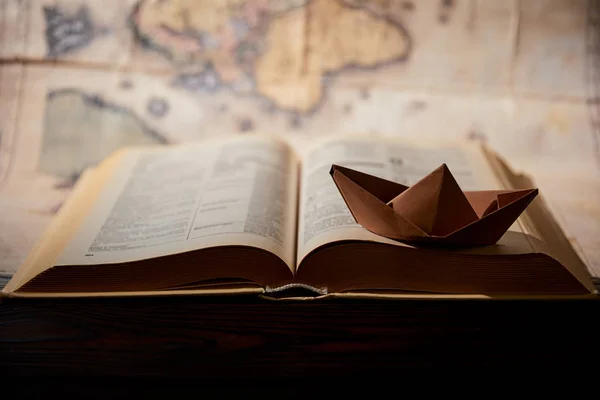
(252, 338)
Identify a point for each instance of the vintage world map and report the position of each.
(80, 79)
(269, 47)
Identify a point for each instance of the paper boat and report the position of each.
(432, 211)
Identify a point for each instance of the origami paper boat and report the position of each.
(432, 211)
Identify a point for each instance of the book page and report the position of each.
(324, 216)
(238, 191)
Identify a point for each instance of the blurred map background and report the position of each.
(81, 78)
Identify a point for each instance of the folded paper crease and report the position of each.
(434, 210)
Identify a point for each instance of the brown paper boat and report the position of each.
(432, 211)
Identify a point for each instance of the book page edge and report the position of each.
(62, 228)
(546, 227)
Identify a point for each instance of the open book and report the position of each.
(252, 215)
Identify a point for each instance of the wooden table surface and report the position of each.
(249, 338)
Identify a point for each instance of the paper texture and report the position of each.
(323, 215)
(146, 203)
(192, 197)
(539, 221)
(80, 78)
(433, 210)
(62, 228)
